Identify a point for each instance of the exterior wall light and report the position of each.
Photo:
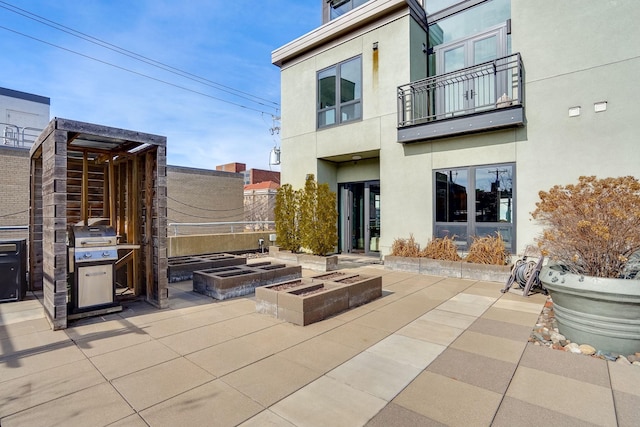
(574, 111)
(375, 45)
(598, 107)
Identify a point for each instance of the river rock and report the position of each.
(557, 337)
(633, 358)
(587, 349)
(623, 360)
(573, 348)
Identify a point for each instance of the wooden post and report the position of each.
(133, 231)
(84, 193)
(148, 226)
(112, 193)
(122, 185)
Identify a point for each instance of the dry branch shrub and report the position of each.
(441, 248)
(592, 227)
(488, 250)
(405, 247)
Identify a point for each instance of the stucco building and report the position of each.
(447, 117)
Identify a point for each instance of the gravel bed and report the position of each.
(546, 333)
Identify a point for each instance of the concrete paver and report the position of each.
(328, 402)
(127, 360)
(449, 401)
(432, 351)
(97, 405)
(495, 375)
(375, 374)
(578, 399)
(490, 346)
(213, 403)
(269, 380)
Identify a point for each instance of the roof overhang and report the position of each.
(348, 23)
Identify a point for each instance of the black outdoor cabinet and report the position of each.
(13, 270)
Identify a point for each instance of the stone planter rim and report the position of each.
(604, 287)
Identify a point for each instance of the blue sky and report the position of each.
(226, 42)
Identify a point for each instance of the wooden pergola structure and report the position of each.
(82, 172)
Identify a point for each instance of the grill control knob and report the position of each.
(87, 255)
(105, 254)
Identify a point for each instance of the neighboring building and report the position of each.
(420, 115)
(232, 167)
(259, 203)
(22, 118)
(251, 176)
(203, 196)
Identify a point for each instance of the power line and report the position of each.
(14, 213)
(204, 209)
(135, 72)
(138, 57)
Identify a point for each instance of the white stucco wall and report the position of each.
(302, 145)
(573, 56)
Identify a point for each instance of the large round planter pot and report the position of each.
(602, 312)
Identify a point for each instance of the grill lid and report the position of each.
(92, 236)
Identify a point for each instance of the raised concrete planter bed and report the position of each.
(456, 269)
(182, 268)
(312, 299)
(362, 289)
(233, 281)
(310, 304)
(310, 262)
(267, 296)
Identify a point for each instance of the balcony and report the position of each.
(484, 97)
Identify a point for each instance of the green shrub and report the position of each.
(307, 218)
(286, 212)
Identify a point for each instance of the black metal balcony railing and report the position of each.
(488, 86)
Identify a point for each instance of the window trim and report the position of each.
(330, 5)
(338, 104)
(471, 223)
(452, 10)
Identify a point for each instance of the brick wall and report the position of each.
(261, 175)
(14, 190)
(232, 167)
(199, 195)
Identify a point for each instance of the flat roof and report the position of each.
(24, 95)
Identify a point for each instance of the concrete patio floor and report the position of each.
(432, 351)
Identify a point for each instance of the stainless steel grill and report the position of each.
(94, 243)
(92, 257)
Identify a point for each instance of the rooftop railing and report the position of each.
(187, 228)
(16, 136)
(488, 86)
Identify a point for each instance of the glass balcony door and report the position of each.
(462, 92)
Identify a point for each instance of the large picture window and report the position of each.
(475, 201)
(340, 93)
